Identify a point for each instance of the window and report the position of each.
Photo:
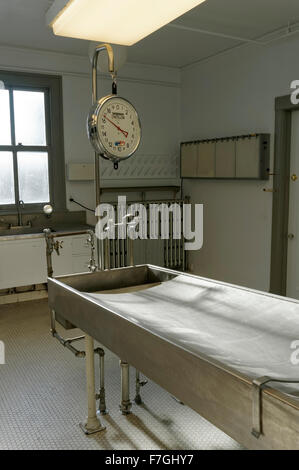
(31, 142)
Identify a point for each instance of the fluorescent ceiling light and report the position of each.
(122, 22)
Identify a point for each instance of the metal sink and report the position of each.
(64, 290)
(116, 279)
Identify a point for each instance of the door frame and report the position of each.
(281, 190)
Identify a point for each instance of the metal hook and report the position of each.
(98, 49)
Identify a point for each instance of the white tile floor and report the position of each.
(42, 397)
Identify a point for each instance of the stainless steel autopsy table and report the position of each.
(223, 350)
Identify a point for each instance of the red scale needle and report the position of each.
(125, 133)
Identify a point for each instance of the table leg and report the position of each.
(126, 405)
(93, 424)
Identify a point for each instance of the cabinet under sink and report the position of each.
(23, 259)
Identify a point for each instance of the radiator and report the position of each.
(169, 253)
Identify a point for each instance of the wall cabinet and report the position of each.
(243, 157)
(23, 262)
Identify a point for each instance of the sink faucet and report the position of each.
(20, 207)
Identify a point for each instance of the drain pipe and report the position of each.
(67, 343)
(101, 396)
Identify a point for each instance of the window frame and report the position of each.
(51, 85)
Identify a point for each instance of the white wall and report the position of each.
(233, 94)
(230, 94)
(150, 88)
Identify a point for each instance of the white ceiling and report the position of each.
(22, 24)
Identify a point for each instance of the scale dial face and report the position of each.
(118, 129)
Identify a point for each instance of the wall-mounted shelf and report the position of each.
(141, 189)
(241, 157)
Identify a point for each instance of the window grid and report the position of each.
(51, 86)
(15, 148)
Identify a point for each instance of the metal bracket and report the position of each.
(139, 384)
(257, 410)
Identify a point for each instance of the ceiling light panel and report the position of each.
(122, 22)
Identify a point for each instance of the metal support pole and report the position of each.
(53, 322)
(131, 251)
(100, 261)
(93, 424)
(109, 51)
(130, 238)
(49, 250)
(107, 253)
(126, 405)
(101, 396)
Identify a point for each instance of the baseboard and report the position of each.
(23, 297)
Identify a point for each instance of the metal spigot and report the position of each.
(58, 245)
(20, 206)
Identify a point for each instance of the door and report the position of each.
(293, 233)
